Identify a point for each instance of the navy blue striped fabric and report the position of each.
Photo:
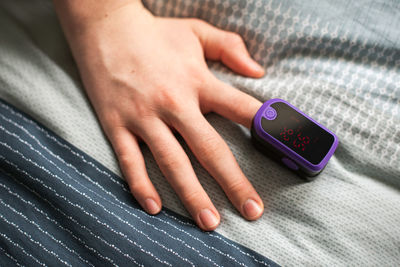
(58, 206)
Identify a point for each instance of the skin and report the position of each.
(147, 78)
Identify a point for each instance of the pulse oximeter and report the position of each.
(292, 138)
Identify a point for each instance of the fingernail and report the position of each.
(208, 219)
(151, 206)
(251, 209)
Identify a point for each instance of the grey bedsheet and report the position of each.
(338, 61)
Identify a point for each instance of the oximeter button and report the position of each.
(290, 164)
(270, 113)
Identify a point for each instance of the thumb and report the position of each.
(227, 47)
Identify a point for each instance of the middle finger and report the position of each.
(216, 157)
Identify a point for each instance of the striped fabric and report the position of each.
(59, 206)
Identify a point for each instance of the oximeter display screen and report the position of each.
(298, 133)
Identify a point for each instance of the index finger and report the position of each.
(230, 102)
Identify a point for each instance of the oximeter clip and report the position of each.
(292, 138)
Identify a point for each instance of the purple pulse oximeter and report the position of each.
(292, 138)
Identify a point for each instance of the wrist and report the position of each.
(77, 16)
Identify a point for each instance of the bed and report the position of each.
(63, 200)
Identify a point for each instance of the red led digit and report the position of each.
(304, 141)
(301, 142)
(285, 133)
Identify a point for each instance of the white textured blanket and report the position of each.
(339, 62)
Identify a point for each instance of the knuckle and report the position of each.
(136, 183)
(176, 107)
(124, 159)
(237, 187)
(111, 121)
(212, 148)
(170, 163)
(197, 22)
(168, 159)
(169, 101)
(137, 186)
(198, 75)
(234, 39)
(142, 111)
(192, 197)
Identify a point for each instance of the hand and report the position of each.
(147, 77)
